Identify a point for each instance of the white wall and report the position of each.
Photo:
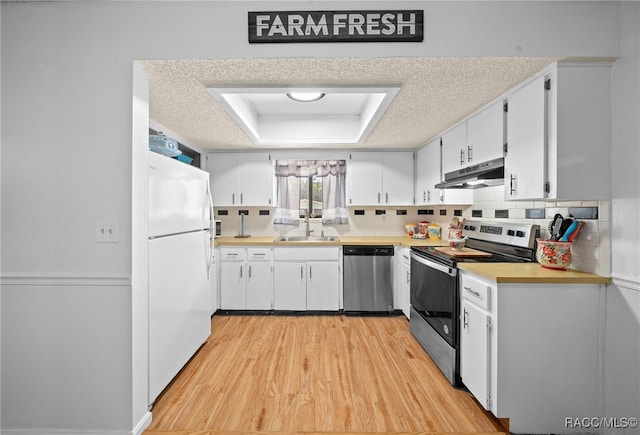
(622, 331)
(67, 161)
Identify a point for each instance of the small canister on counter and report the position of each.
(434, 231)
(409, 229)
(423, 228)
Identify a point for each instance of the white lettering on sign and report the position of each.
(317, 28)
(389, 27)
(335, 26)
(339, 22)
(373, 24)
(356, 21)
(409, 23)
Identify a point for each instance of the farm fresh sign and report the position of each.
(336, 26)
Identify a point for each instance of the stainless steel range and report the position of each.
(435, 295)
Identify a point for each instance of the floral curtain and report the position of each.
(288, 174)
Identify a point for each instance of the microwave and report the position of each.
(218, 227)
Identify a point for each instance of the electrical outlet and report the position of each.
(107, 231)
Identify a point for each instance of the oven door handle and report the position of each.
(451, 271)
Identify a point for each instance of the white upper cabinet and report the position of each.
(241, 179)
(558, 135)
(380, 178)
(428, 174)
(397, 178)
(364, 173)
(485, 135)
(476, 140)
(525, 168)
(454, 149)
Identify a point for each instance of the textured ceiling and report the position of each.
(435, 93)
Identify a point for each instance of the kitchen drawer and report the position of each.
(476, 291)
(233, 254)
(297, 253)
(259, 254)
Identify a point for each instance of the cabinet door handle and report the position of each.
(301, 272)
(461, 157)
(424, 196)
(469, 157)
(429, 195)
(386, 195)
(378, 197)
(241, 271)
(408, 277)
(310, 273)
(233, 198)
(249, 271)
(465, 322)
(512, 184)
(241, 199)
(473, 292)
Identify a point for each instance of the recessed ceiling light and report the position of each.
(346, 116)
(305, 97)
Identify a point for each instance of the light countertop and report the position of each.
(498, 272)
(531, 273)
(359, 240)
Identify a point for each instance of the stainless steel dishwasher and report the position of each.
(368, 278)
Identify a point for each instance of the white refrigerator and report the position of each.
(180, 256)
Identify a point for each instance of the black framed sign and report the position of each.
(336, 26)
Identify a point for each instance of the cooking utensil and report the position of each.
(569, 231)
(564, 226)
(575, 233)
(554, 226)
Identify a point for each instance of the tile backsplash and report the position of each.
(591, 249)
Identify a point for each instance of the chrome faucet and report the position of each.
(306, 219)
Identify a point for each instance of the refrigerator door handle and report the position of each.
(211, 232)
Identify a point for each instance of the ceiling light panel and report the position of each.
(345, 115)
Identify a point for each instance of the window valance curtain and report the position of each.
(309, 168)
(288, 175)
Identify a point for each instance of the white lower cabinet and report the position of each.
(259, 285)
(214, 274)
(246, 278)
(403, 280)
(530, 352)
(475, 344)
(323, 283)
(233, 292)
(307, 279)
(290, 286)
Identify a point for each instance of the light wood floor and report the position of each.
(315, 374)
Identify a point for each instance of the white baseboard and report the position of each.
(142, 424)
(137, 430)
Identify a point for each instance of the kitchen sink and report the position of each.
(307, 239)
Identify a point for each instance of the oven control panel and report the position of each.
(522, 235)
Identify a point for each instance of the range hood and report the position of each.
(485, 174)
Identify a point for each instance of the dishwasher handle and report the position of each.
(368, 250)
